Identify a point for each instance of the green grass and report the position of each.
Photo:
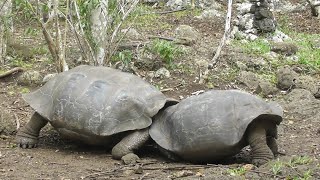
(277, 167)
(307, 55)
(257, 47)
(237, 171)
(143, 18)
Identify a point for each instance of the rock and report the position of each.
(242, 66)
(315, 43)
(178, 4)
(246, 21)
(265, 25)
(279, 36)
(162, 73)
(147, 62)
(203, 4)
(266, 88)
(48, 77)
(131, 34)
(183, 173)
(249, 79)
(244, 8)
(30, 78)
(308, 83)
(302, 105)
(271, 56)
(286, 78)
(210, 14)
(136, 170)
(284, 48)
(7, 122)
(293, 58)
(130, 158)
(256, 63)
(187, 34)
(202, 63)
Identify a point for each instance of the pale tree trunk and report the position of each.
(6, 27)
(99, 22)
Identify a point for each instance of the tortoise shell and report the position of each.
(212, 125)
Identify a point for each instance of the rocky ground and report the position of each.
(284, 72)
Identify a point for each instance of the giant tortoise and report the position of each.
(95, 105)
(218, 124)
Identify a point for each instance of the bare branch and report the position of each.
(224, 37)
(3, 4)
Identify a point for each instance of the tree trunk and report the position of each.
(6, 27)
(99, 22)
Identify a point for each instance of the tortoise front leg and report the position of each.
(261, 153)
(130, 143)
(27, 136)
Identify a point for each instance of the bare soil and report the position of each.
(56, 158)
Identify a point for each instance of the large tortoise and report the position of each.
(96, 105)
(218, 124)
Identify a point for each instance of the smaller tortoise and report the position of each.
(218, 124)
(95, 105)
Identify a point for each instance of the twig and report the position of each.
(160, 37)
(17, 121)
(164, 12)
(12, 71)
(266, 173)
(167, 89)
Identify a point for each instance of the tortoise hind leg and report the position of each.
(27, 136)
(272, 144)
(257, 139)
(130, 143)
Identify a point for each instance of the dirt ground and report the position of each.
(56, 158)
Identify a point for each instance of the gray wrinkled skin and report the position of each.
(88, 102)
(212, 125)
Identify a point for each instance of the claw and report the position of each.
(24, 146)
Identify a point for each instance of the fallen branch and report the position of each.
(266, 173)
(164, 12)
(12, 71)
(185, 167)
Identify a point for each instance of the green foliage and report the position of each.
(24, 90)
(124, 56)
(29, 31)
(25, 9)
(18, 62)
(166, 50)
(237, 171)
(188, 12)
